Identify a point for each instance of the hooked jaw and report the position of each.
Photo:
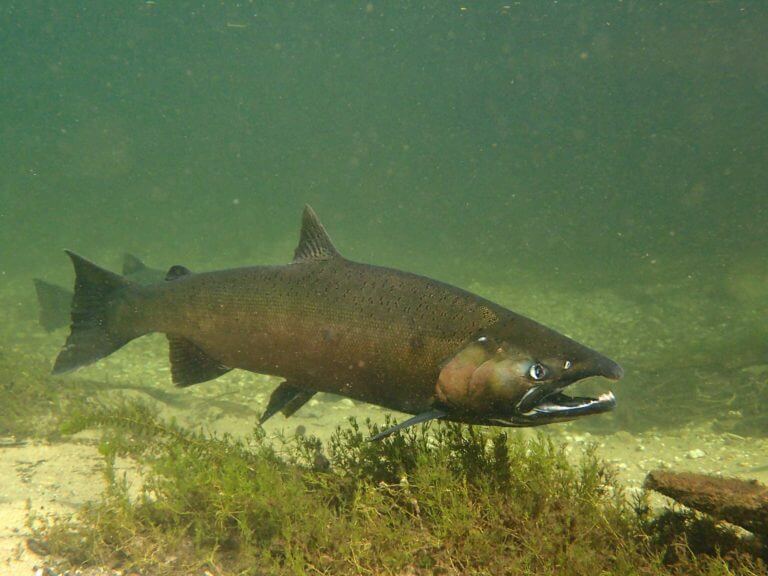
(557, 407)
(546, 403)
(500, 385)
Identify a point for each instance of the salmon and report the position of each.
(327, 324)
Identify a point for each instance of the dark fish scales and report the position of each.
(327, 324)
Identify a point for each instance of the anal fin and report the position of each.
(286, 398)
(191, 365)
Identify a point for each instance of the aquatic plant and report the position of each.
(445, 499)
(31, 403)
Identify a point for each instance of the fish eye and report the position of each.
(537, 371)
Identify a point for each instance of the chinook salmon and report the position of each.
(328, 324)
(54, 302)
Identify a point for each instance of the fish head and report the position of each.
(514, 374)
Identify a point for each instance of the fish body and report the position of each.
(328, 324)
(337, 326)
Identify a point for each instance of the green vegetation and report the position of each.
(31, 403)
(447, 500)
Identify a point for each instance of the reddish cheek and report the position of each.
(481, 378)
(453, 383)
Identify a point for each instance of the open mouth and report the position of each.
(543, 406)
(559, 404)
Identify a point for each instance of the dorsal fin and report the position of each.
(314, 242)
(132, 264)
(177, 271)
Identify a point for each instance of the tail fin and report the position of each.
(91, 336)
(132, 265)
(54, 302)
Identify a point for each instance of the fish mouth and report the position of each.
(541, 406)
(547, 403)
(559, 405)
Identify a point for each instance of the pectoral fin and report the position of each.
(418, 419)
(287, 398)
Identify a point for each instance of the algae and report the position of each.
(445, 499)
(31, 403)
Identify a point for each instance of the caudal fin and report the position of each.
(91, 334)
(133, 265)
(54, 302)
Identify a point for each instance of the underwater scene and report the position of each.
(405, 288)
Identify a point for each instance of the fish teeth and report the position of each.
(607, 397)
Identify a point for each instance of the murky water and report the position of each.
(600, 167)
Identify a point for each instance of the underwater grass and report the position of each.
(31, 402)
(447, 500)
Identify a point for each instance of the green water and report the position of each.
(599, 166)
(532, 148)
(549, 154)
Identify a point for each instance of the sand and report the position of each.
(46, 477)
(55, 478)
